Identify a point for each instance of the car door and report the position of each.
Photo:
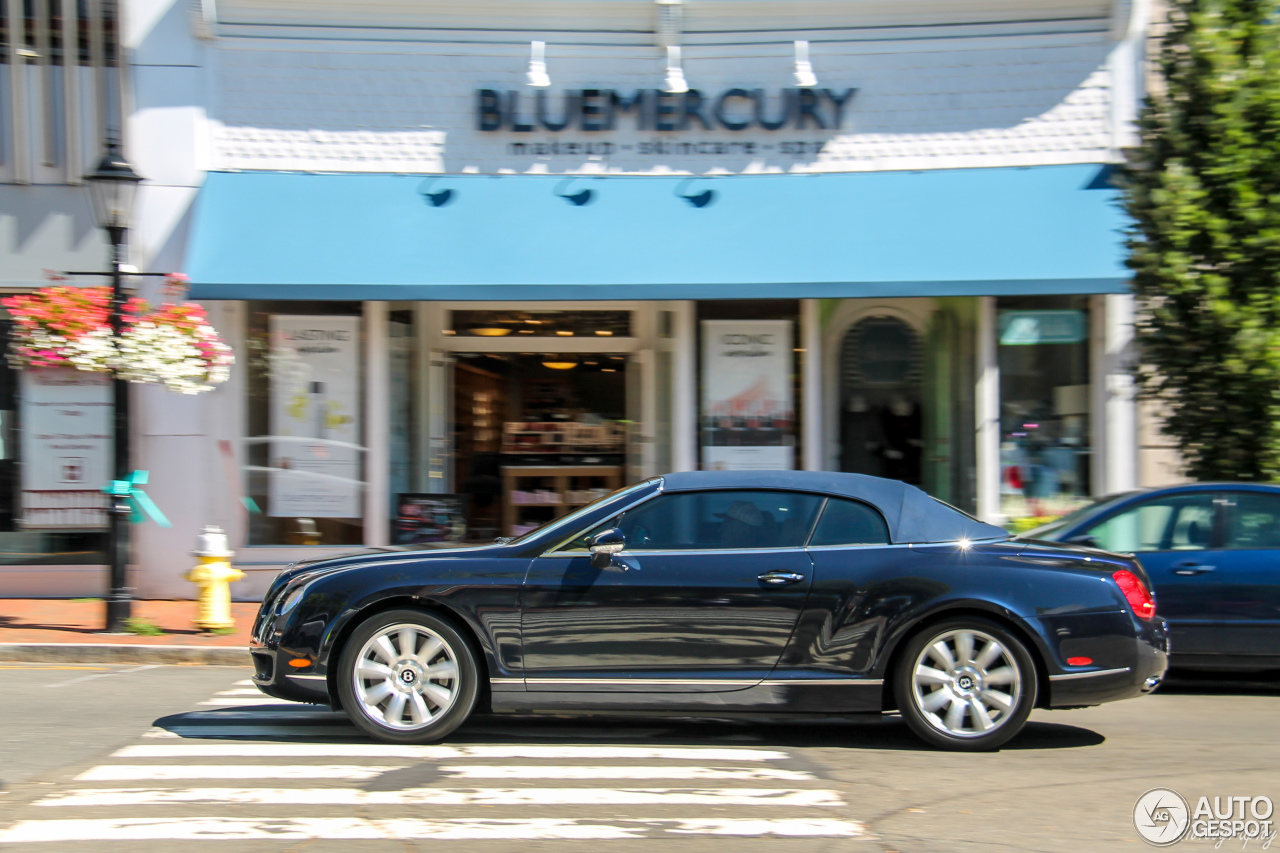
(1240, 584)
(851, 554)
(1174, 536)
(704, 596)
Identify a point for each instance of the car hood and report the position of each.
(379, 554)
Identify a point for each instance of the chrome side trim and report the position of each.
(307, 677)
(835, 682)
(1068, 676)
(506, 681)
(649, 682)
(685, 552)
(863, 545)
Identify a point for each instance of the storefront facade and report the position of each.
(460, 300)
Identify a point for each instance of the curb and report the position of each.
(124, 653)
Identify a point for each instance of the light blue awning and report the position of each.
(955, 232)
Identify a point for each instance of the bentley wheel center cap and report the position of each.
(408, 677)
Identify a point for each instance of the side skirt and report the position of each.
(860, 696)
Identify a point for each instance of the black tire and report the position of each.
(963, 708)
(439, 650)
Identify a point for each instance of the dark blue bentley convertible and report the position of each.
(786, 593)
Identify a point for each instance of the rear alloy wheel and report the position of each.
(965, 684)
(407, 676)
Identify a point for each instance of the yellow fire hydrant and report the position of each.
(213, 575)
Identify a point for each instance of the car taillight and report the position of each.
(1136, 593)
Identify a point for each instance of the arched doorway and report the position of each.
(880, 417)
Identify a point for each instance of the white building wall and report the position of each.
(957, 101)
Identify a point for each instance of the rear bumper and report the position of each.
(1135, 666)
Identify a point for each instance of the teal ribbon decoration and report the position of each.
(139, 501)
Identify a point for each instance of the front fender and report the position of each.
(481, 592)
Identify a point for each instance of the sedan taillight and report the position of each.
(1136, 593)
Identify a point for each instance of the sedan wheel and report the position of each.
(407, 676)
(965, 685)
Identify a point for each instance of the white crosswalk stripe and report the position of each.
(285, 772)
(438, 752)
(135, 772)
(357, 829)
(450, 797)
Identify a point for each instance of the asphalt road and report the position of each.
(160, 759)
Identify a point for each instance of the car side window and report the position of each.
(1253, 521)
(850, 523)
(714, 521)
(1170, 523)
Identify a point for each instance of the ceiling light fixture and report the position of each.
(537, 74)
(559, 362)
(491, 331)
(604, 333)
(675, 83)
(564, 333)
(805, 78)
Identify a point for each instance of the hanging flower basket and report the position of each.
(70, 327)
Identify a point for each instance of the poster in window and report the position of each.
(315, 423)
(747, 401)
(422, 519)
(66, 447)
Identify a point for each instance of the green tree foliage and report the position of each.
(1205, 248)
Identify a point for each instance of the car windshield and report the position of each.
(569, 519)
(1048, 531)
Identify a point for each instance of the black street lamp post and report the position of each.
(113, 185)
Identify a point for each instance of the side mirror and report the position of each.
(1085, 539)
(604, 545)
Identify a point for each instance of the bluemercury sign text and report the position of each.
(654, 109)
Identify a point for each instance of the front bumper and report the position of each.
(272, 672)
(274, 677)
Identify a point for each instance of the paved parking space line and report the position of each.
(117, 797)
(257, 698)
(354, 829)
(103, 675)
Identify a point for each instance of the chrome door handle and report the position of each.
(780, 578)
(1191, 569)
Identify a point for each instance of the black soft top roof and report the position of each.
(911, 514)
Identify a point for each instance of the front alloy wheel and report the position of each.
(965, 684)
(407, 676)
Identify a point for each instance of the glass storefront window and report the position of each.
(549, 323)
(1045, 443)
(537, 435)
(55, 457)
(305, 449)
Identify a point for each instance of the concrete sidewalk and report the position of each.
(62, 630)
